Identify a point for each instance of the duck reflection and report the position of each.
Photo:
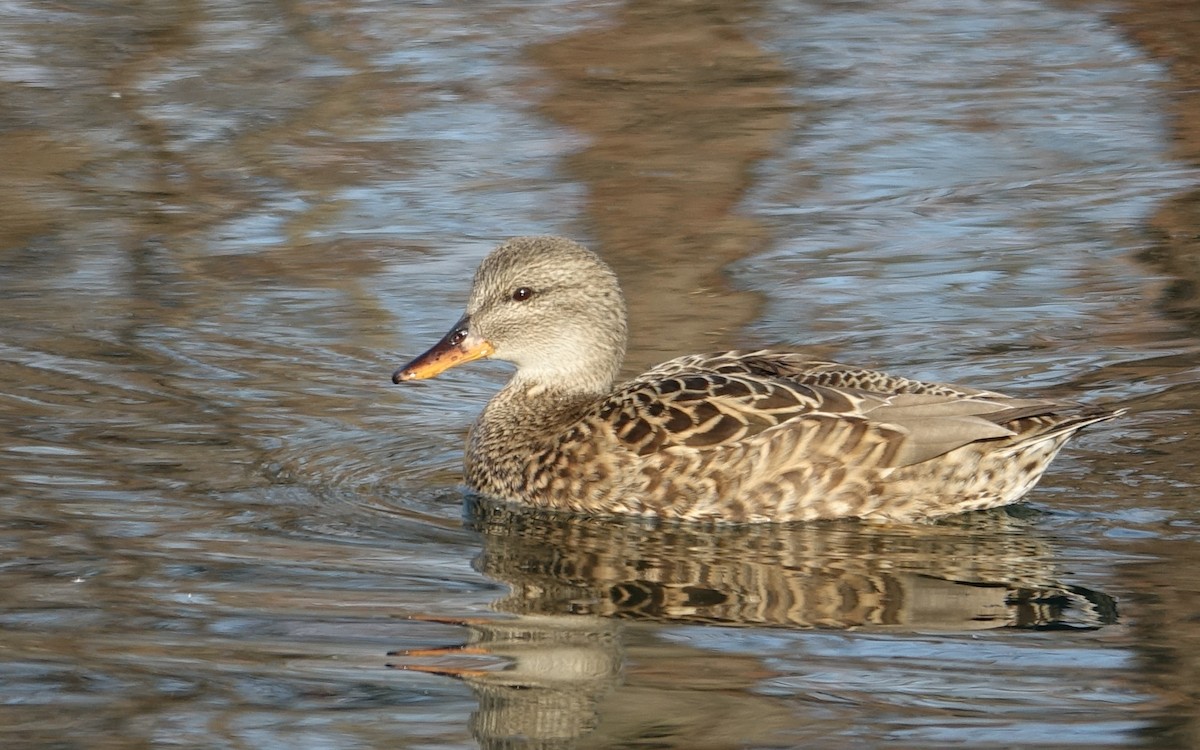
(583, 661)
(970, 572)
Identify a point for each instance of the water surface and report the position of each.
(222, 225)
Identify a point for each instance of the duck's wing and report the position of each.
(707, 402)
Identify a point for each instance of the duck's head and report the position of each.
(548, 305)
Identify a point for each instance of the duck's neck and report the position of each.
(553, 388)
(539, 406)
(521, 422)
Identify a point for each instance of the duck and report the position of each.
(765, 436)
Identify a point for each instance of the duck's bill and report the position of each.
(456, 347)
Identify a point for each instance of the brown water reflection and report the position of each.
(1169, 594)
(671, 148)
(221, 222)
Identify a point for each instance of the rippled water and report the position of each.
(222, 225)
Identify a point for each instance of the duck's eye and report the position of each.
(522, 293)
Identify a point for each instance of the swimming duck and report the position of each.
(738, 436)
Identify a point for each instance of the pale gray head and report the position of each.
(548, 305)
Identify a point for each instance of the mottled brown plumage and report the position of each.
(731, 436)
